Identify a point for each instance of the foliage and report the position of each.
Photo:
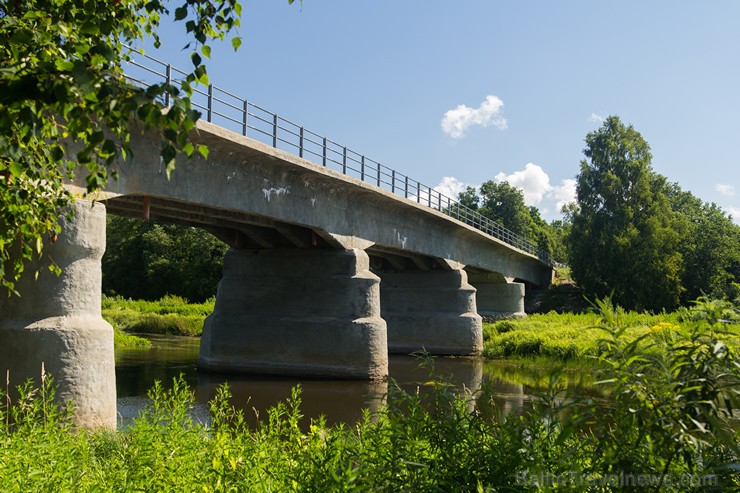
(571, 338)
(504, 204)
(672, 411)
(148, 260)
(166, 305)
(123, 340)
(623, 240)
(170, 315)
(710, 246)
(667, 425)
(62, 81)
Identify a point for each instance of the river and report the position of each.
(511, 386)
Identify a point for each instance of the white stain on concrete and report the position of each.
(313, 202)
(401, 240)
(277, 192)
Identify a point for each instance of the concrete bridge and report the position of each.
(327, 274)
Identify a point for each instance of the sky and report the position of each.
(457, 93)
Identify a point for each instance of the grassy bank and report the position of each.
(575, 338)
(171, 315)
(666, 428)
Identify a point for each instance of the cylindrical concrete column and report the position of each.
(305, 312)
(497, 298)
(56, 322)
(431, 310)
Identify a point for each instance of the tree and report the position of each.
(148, 260)
(505, 204)
(710, 246)
(469, 198)
(62, 81)
(622, 239)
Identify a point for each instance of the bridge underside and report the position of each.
(283, 281)
(292, 301)
(326, 274)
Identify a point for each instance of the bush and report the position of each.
(172, 315)
(667, 421)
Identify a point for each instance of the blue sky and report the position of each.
(457, 93)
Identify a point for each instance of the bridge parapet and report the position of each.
(242, 116)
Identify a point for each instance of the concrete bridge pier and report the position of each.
(57, 323)
(308, 312)
(495, 297)
(432, 310)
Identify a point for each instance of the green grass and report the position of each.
(666, 419)
(123, 340)
(574, 338)
(171, 315)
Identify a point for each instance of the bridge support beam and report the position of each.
(57, 323)
(496, 297)
(304, 312)
(432, 310)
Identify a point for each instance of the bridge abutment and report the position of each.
(57, 322)
(307, 312)
(433, 310)
(495, 297)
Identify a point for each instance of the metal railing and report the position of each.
(250, 120)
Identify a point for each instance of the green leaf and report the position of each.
(181, 13)
(203, 150)
(196, 59)
(206, 50)
(236, 42)
(16, 168)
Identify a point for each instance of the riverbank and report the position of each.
(171, 315)
(551, 338)
(668, 426)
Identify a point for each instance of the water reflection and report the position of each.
(508, 387)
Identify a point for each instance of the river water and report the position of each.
(511, 386)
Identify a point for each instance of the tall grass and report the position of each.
(667, 427)
(171, 315)
(568, 337)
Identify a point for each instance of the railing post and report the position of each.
(406, 187)
(274, 130)
(362, 168)
(324, 153)
(300, 146)
(393, 181)
(418, 192)
(210, 103)
(245, 123)
(168, 73)
(344, 161)
(378, 181)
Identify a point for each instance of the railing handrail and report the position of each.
(231, 111)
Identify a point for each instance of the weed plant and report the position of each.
(172, 315)
(123, 340)
(572, 338)
(668, 426)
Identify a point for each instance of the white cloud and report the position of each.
(735, 213)
(451, 187)
(536, 188)
(532, 181)
(457, 120)
(596, 118)
(725, 189)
